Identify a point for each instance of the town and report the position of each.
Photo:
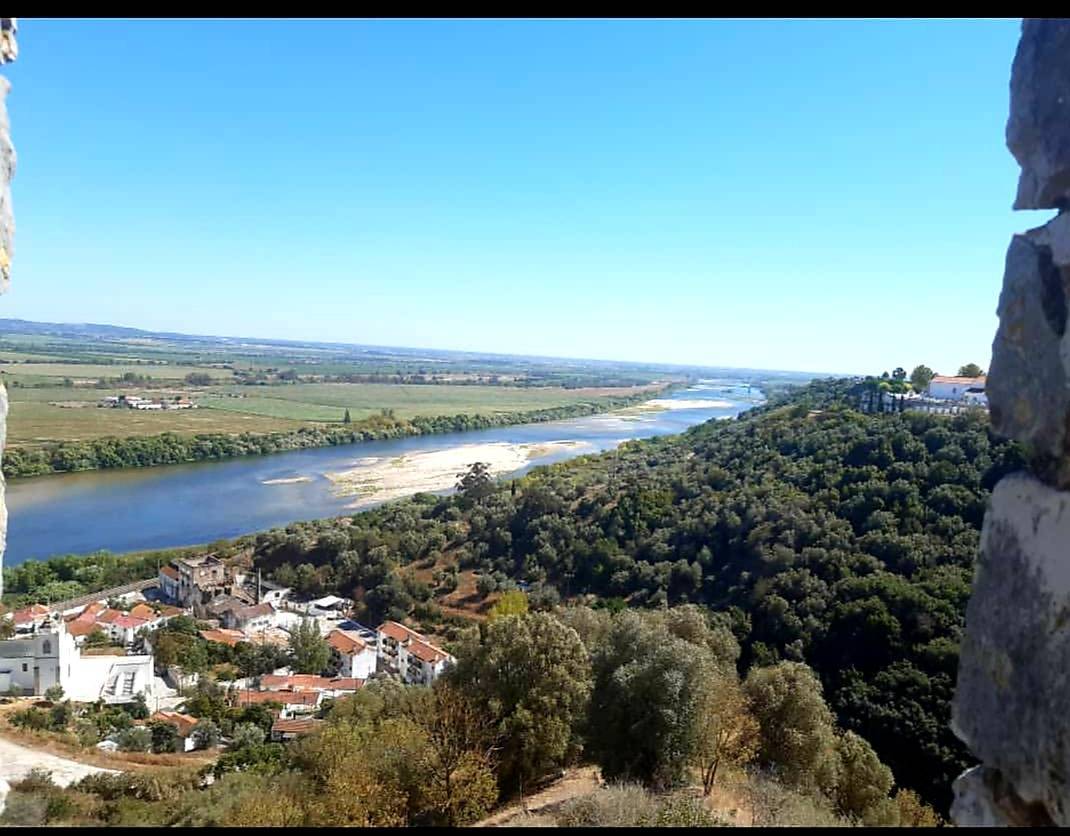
(103, 651)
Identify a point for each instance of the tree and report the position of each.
(533, 674)
(246, 734)
(139, 708)
(347, 419)
(205, 734)
(913, 812)
(726, 731)
(899, 373)
(54, 694)
(648, 687)
(309, 652)
(920, 377)
(460, 781)
(135, 739)
(970, 370)
(164, 736)
(863, 782)
(797, 728)
(513, 602)
(97, 638)
(476, 482)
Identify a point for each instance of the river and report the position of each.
(181, 505)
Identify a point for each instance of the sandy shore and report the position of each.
(684, 403)
(288, 481)
(379, 479)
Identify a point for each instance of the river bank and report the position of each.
(125, 510)
(383, 479)
(171, 448)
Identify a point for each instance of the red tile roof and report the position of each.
(306, 698)
(109, 616)
(170, 571)
(81, 628)
(256, 610)
(183, 722)
(980, 380)
(143, 611)
(426, 652)
(228, 637)
(398, 632)
(346, 683)
(297, 726)
(346, 642)
(31, 613)
(129, 622)
(294, 682)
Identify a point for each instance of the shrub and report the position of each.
(205, 734)
(246, 734)
(135, 739)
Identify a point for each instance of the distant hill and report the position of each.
(94, 331)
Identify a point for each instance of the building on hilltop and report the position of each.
(970, 389)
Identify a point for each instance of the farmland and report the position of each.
(57, 380)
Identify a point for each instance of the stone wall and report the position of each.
(1012, 700)
(8, 52)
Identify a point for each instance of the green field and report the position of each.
(35, 422)
(328, 401)
(56, 381)
(40, 415)
(93, 371)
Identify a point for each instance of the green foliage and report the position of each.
(205, 734)
(309, 651)
(164, 736)
(135, 739)
(533, 674)
(513, 602)
(648, 689)
(54, 694)
(920, 377)
(797, 729)
(246, 734)
(863, 782)
(970, 370)
(630, 805)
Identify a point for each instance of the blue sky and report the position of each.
(822, 196)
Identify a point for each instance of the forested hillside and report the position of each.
(827, 536)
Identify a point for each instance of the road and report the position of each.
(16, 761)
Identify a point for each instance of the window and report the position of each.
(46, 647)
(24, 668)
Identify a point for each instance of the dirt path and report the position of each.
(16, 761)
(575, 783)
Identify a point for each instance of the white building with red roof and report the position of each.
(355, 652)
(945, 388)
(410, 654)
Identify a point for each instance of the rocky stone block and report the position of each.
(1038, 130)
(1028, 383)
(1012, 699)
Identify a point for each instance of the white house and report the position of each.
(410, 654)
(355, 651)
(30, 665)
(328, 606)
(957, 388)
(169, 583)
